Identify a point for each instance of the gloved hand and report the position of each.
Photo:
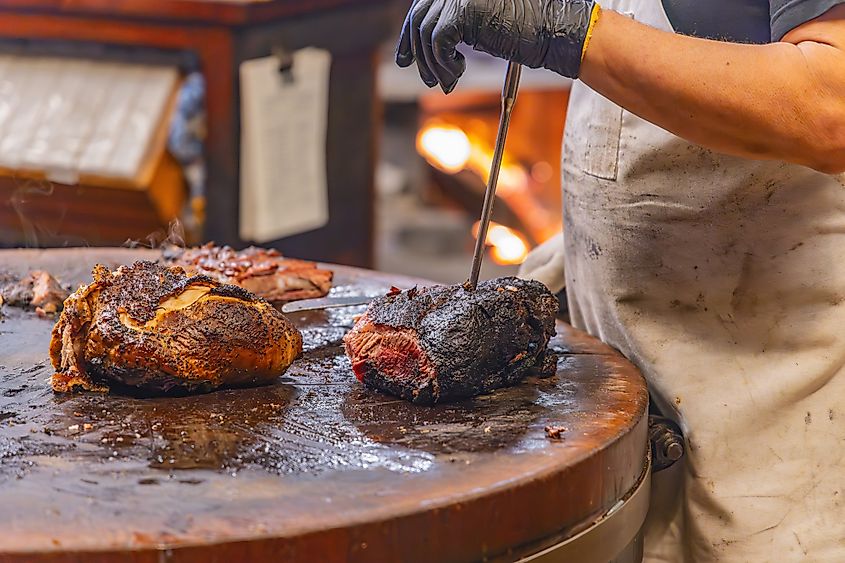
(535, 33)
(546, 264)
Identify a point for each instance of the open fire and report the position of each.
(507, 246)
(445, 146)
(454, 149)
(451, 149)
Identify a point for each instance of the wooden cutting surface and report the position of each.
(312, 468)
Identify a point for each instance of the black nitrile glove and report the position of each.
(535, 33)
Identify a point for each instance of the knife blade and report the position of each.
(325, 303)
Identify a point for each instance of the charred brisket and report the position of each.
(445, 343)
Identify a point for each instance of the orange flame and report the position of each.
(445, 146)
(453, 149)
(507, 245)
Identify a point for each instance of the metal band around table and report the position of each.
(605, 539)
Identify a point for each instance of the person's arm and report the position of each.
(783, 101)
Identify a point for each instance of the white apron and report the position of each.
(723, 279)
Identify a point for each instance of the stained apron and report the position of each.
(723, 279)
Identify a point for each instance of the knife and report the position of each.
(325, 303)
(508, 100)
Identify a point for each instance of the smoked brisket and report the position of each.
(445, 343)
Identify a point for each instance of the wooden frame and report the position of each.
(222, 35)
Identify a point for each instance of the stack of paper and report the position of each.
(283, 146)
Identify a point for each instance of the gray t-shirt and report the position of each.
(744, 21)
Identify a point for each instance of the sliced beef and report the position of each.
(447, 342)
(262, 271)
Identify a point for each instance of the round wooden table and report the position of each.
(314, 467)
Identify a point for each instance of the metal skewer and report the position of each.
(508, 100)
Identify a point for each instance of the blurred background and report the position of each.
(280, 123)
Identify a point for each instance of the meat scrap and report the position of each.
(555, 432)
(445, 343)
(156, 329)
(264, 272)
(38, 290)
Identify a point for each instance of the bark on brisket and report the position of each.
(130, 327)
(470, 342)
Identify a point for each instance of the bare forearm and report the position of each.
(779, 101)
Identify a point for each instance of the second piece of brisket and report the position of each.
(448, 342)
(262, 271)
